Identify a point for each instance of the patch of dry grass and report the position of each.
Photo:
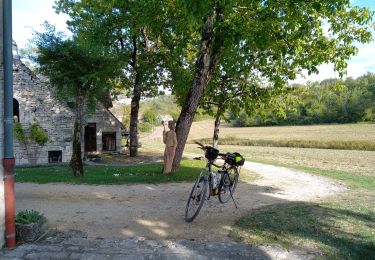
(352, 161)
(356, 162)
(347, 132)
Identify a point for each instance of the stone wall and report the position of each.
(2, 199)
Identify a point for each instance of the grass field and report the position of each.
(343, 137)
(345, 132)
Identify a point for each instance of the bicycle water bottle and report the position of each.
(218, 176)
(214, 181)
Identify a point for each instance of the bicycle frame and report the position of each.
(224, 168)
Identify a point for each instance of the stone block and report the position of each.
(29, 232)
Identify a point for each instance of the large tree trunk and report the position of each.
(76, 160)
(134, 104)
(134, 120)
(215, 139)
(201, 78)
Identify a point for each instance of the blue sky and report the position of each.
(30, 14)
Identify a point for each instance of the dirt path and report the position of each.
(156, 211)
(158, 132)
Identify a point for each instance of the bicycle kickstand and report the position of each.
(235, 204)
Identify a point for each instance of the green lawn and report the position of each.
(100, 174)
(341, 227)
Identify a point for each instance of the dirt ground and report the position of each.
(156, 211)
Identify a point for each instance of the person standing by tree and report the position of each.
(170, 141)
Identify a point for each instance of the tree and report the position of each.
(278, 38)
(76, 73)
(230, 93)
(123, 29)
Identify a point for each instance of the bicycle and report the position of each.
(223, 183)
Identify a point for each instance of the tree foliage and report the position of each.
(276, 39)
(330, 101)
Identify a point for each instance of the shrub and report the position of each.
(38, 134)
(145, 127)
(19, 133)
(150, 116)
(29, 216)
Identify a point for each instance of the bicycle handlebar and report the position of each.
(204, 147)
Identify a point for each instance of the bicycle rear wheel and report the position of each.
(228, 184)
(196, 199)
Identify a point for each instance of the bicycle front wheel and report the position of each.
(196, 199)
(228, 184)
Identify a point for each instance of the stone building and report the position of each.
(33, 102)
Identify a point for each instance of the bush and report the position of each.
(145, 127)
(29, 216)
(38, 134)
(19, 133)
(150, 116)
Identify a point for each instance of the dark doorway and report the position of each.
(90, 137)
(54, 156)
(109, 141)
(16, 110)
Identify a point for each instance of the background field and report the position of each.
(334, 132)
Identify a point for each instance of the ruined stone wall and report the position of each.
(36, 104)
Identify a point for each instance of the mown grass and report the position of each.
(341, 227)
(338, 232)
(100, 174)
(351, 161)
(341, 145)
(328, 132)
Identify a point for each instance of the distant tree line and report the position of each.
(330, 101)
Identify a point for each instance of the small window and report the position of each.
(16, 110)
(109, 141)
(54, 156)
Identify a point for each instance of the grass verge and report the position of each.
(338, 232)
(332, 144)
(342, 227)
(100, 174)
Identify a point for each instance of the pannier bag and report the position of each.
(234, 159)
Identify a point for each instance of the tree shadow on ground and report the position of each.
(300, 223)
